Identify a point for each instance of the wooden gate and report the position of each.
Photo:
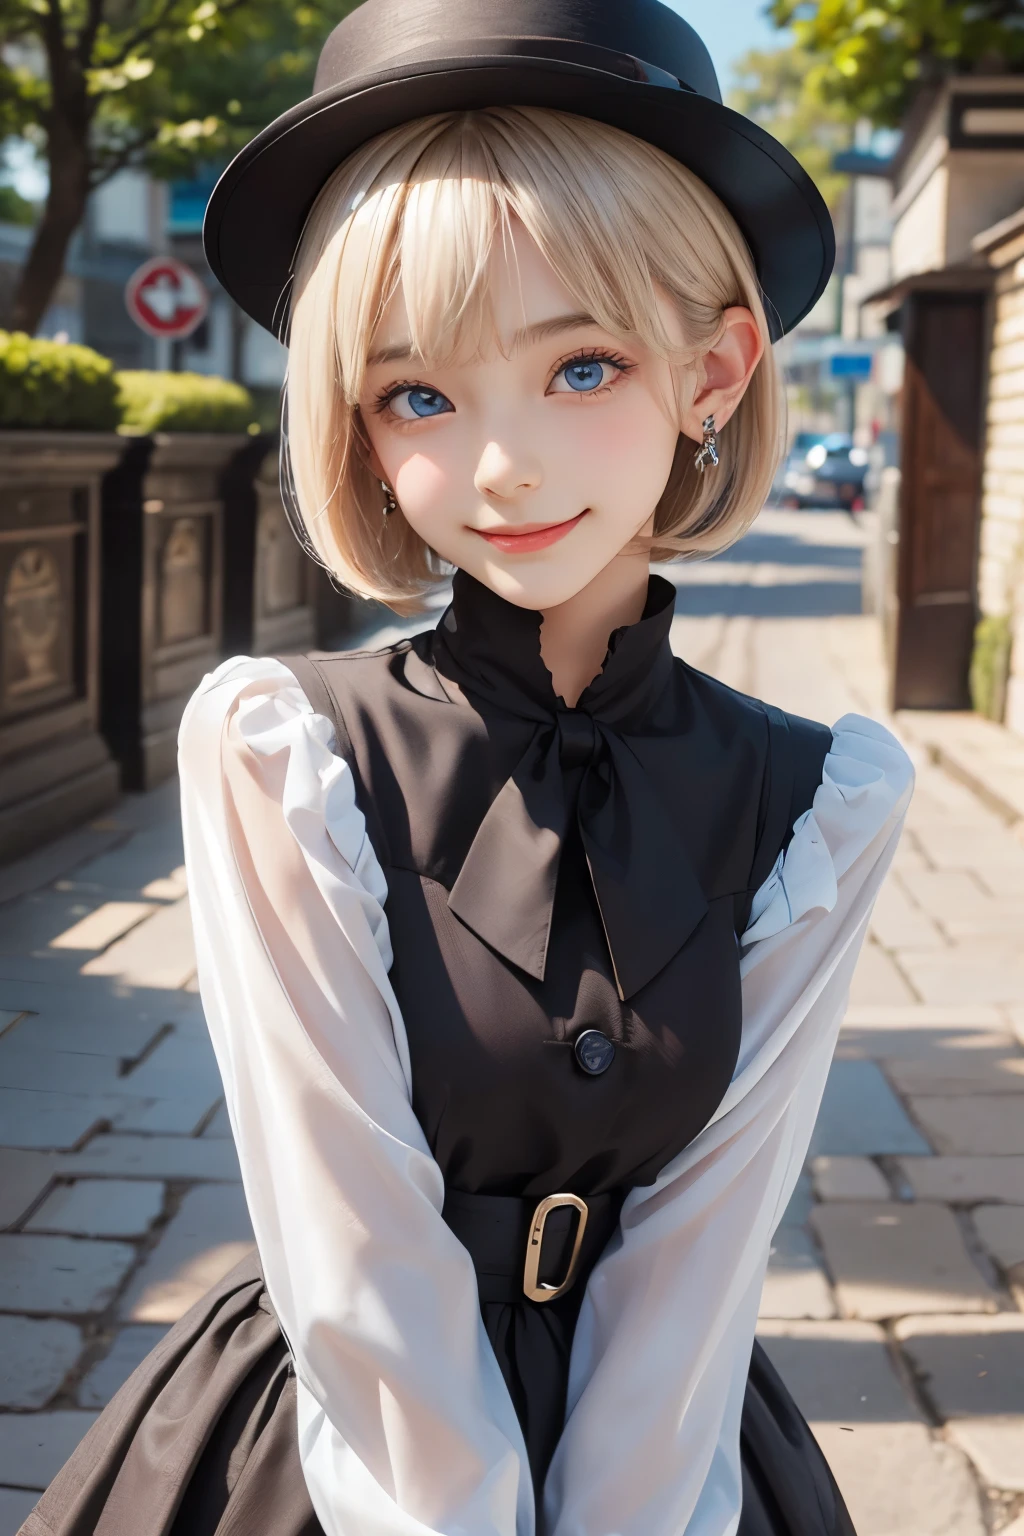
(944, 334)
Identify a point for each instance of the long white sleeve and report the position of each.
(662, 1346)
(406, 1427)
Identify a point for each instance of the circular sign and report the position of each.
(165, 298)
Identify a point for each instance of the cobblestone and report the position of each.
(153, 1157)
(973, 1371)
(209, 1235)
(879, 979)
(1000, 1229)
(42, 1275)
(848, 1178)
(35, 1356)
(157, 954)
(988, 971)
(896, 1478)
(46, 1071)
(33, 1118)
(948, 896)
(100, 1208)
(965, 1180)
(860, 1115)
(24, 1177)
(889, 1259)
(130, 1347)
(15, 1508)
(795, 1285)
(962, 1072)
(102, 926)
(979, 1124)
(34, 1446)
(897, 923)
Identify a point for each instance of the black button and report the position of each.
(594, 1052)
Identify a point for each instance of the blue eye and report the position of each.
(415, 403)
(585, 374)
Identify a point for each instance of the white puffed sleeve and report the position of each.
(405, 1424)
(662, 1347)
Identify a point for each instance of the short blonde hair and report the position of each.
(423, 204)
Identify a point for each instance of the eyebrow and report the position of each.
(402, 351)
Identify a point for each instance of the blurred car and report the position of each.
(798, 450)
(828, 473)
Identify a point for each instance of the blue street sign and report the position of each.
(851, 365)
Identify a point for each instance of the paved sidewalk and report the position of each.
(893, 1304)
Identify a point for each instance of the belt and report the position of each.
(524, 1247)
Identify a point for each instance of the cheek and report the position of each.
(631, 445)
(421, 482)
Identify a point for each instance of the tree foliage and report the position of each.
(167, 83)
(163, 84)
(771, 87)
(868, 57)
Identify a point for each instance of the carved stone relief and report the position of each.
(32, 614)
(182, 593)
(280, 561)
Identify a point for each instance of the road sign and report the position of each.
(851, 365)
(165, 298)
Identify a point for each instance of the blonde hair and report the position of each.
(423, 204)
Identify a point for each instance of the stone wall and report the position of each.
(1001, 562)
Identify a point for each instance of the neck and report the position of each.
(574, 635)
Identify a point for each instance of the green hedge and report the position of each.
(183, 402)
(55, 384)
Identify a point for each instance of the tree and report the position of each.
(772, 89)
(167, 85)
(868, 57)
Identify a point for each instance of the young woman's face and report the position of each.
(533, 465)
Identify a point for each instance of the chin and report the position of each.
(534, 588)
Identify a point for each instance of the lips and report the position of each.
(530, 536)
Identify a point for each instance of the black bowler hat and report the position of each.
(633, 64)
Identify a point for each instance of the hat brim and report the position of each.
(259, 206)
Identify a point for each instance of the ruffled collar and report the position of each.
(491, 648)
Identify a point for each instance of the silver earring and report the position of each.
(707, 453)
(390, 504)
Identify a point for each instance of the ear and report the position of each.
(724, 372)
(365, 448)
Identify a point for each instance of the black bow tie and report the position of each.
(585, 763)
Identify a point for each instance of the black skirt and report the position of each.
(202, 1440)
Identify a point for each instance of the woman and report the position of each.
(523, 945)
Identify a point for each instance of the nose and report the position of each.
(504, 473)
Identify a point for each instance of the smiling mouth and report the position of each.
(531, 536)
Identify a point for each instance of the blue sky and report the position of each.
(729, 28)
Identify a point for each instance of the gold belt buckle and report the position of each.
(532, 1286)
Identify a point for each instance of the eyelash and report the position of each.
(589, 355)
(594, 355)
(384, 399)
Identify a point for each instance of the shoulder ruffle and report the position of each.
(867, 780)
(275, 717)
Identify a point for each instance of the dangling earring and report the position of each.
(390, 504)
(707, 453)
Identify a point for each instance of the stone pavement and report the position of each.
(893, 1304)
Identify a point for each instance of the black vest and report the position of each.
(553, 871)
